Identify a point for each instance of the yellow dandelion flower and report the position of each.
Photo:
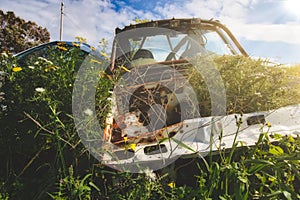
(268, 124)
(132, 146)
(127, 70)
(102, 74)
(103, 54)
(75, 44)
(171, 185)
(125, 139)
(16, 69)
(95, 61)
(93, 48)
(62, 48)
(80, 39)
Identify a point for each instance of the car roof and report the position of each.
(83, 46)
(175, 24)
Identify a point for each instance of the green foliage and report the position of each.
(17, 35)
(265, 171)
(38, 137)
(251, 85)
(72, 187)
(42, 157)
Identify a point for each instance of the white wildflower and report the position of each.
(39, 89)
(4, 54)
(42, 58)
(49, 62)
(149, 174)
(45, 60)
(88, 112)
(31, 67)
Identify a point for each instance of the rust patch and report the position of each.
(149, 137)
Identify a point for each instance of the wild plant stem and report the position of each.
(233, 147)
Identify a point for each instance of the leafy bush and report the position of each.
(38, 137)
(251, 85)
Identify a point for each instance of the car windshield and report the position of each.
(167, 44)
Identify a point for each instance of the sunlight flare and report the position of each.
(293, 7)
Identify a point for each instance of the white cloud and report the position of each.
(287, 33)
(251, 20)
(205, 9)
(86, 18)
(97, 19)
(235, 14)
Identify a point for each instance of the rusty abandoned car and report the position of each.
(154, 107)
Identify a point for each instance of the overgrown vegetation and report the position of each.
(42, 157)
(251, 85)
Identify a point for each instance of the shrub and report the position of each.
(251, 85)
(38, 137)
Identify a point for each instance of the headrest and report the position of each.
(143, 53)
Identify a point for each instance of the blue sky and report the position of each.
(266, 28)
